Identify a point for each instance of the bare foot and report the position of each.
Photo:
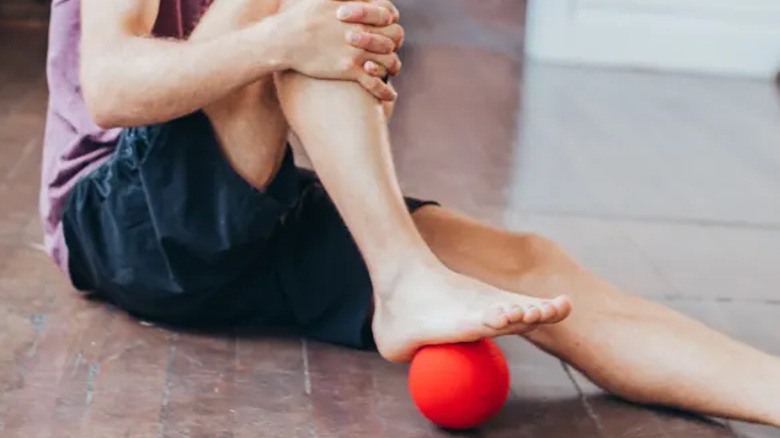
(433, 305)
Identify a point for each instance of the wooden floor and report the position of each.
(668, 186)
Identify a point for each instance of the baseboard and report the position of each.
(698, 36)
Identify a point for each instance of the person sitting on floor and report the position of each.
(169, 189)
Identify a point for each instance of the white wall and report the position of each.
(723, 37)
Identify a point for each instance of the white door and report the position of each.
(724, 37)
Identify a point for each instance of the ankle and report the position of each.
(387, 271)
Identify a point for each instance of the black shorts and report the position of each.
(167, 231)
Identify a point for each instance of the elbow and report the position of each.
(105, 116)
(106, 101)
(101, 103)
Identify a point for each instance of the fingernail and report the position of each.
(344, 12)
(354, 37)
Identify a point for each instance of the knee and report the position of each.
(535, 255)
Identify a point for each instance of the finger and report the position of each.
(389, 107)
(394, 31)
(387, 4)
(375, 86)
(375, 69)
(364, 13)
(390, 62)
(371, 42)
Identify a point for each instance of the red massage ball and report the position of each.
(459, 386)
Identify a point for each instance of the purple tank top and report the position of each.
(73, 144)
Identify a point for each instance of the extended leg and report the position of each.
(634, 348)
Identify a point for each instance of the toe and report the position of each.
(562, 307)
(549, 312)
(497, 319)
(516, 313)
(532, 315)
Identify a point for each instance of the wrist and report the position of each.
(268, 45)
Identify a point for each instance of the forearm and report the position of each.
(143, 80)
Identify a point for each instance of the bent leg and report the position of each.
(344, 131)
(634, 348)
(417, 300)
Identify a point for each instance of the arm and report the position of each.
(129, 78)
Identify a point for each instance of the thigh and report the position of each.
(168, 231)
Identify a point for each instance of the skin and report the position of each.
(262, 68)
(119, 58)
(300, 72)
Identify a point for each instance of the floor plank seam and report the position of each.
(693, 222)
(306, 373)
(730, 427)
(167, 389)
(585, 403)
(763, 301)
(307, 387)
(27, 150)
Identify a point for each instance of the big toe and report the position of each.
(557, 309)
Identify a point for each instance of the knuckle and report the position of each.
(376, 43)
(346, 65)
(354, 56)
(395, 63)
(366, 41)
(358, 12)
(387, 46)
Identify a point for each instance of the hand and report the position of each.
(367, 14)
(322, 41)
(388, 107)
